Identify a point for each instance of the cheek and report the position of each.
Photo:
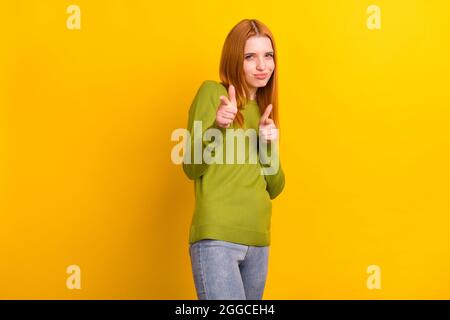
(248, 69)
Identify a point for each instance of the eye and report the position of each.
(269, 55)
(247, 57)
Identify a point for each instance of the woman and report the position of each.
(230, 231)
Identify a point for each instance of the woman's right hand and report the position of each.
(227, 109)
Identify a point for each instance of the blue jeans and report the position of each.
(224, 270)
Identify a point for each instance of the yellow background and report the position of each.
(86, 117)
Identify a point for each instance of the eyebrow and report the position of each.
(254, 52)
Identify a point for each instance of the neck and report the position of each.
(252, 94)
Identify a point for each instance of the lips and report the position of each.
(261, 76)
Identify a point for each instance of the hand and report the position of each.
(267, 129)
(227, 109)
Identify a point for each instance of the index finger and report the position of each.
(266, 113)
(232, 94)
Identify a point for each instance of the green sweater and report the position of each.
(232, 201)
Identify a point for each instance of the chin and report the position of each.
(261, 84)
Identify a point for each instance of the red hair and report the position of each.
(232, 68)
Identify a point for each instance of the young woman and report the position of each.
(230, 231)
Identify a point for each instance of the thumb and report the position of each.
(224, 100)
(266, 114)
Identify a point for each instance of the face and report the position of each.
(258, 62)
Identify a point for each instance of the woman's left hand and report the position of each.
(267, 129)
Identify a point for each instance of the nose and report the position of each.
(261, 64)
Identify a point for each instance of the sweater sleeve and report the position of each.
(275, 182)
(203, 109)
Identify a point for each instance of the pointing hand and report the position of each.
(227, 109)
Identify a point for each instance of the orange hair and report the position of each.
(232, 70)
